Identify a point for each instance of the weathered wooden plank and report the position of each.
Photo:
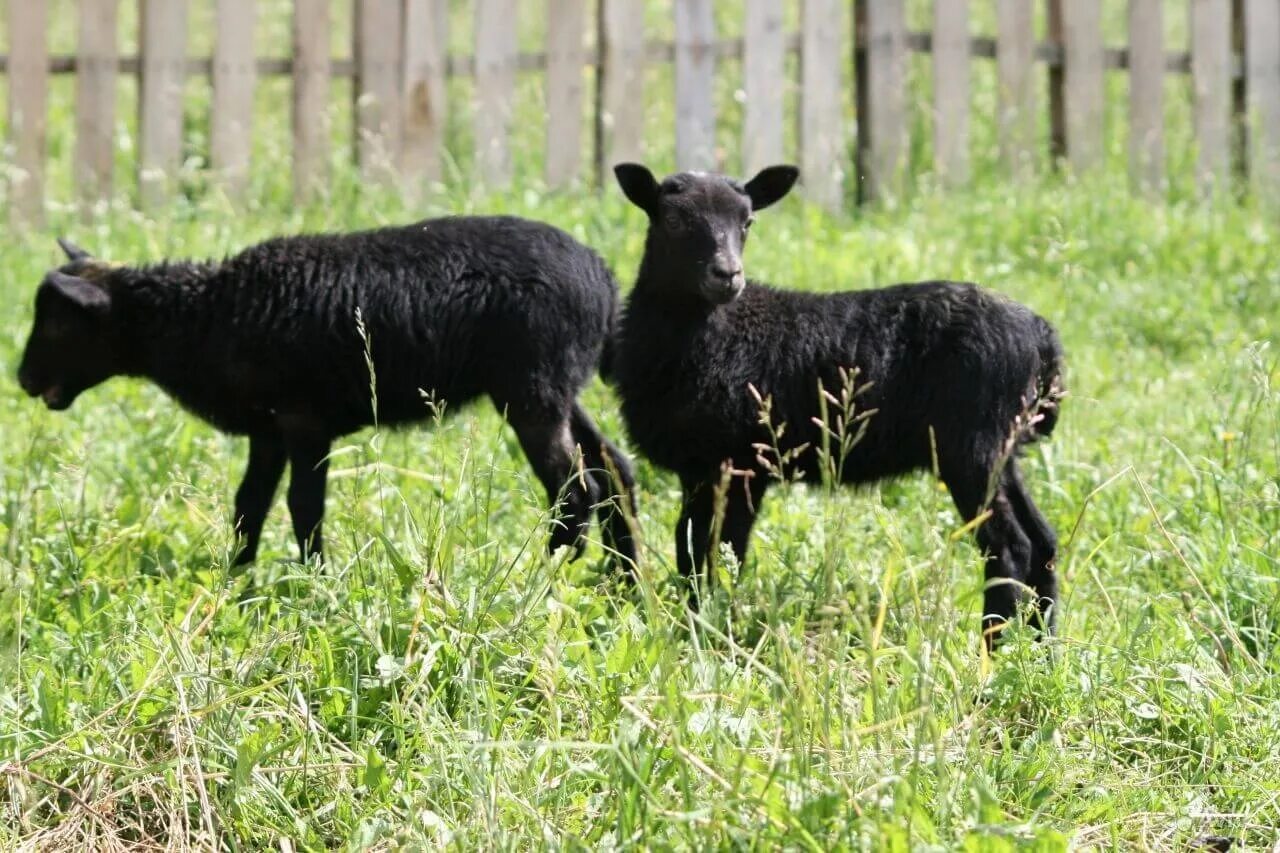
(565, 83)
(861, 99)
(1239, 135)
(1083, 95)
(426, 44)
(234, 77)
(695, 85)
(378, 43)
(310, 96)
(495, 89)
(764, 77)
(1015, 82)
(1146, 94)
(97, 54)
(620, 117)
(886, 92)
(28, 106)
(1211, 83)
(163, 44)
(822, 156)
(951, 90)
(1057, 84)
(1262, 82)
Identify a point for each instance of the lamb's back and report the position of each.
(923, 353)
(447, 306)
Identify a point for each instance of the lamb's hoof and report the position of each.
(621, 556)
(992, 629)
(562, 535)
(242, 561)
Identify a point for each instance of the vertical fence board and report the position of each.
(1211, 82)
(862, 115)
(1083, 95)
(1016, 101)
(495, 88)
(822, 130)
(764, 76)
(1239, 128)
(163, 44)
(97, 51)
(821, 110)
(620, 85)
(1262, 82)
(378, 42)
(1146, 94)
(426, 45)
(234, 77)
(951, 90)
(1057, 85)
(886, 45)
(28, 105)
(310, 96)
(695, 85)
(564, 87)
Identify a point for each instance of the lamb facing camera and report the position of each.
(943, 365)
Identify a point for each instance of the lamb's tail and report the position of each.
(1049, 386)
(606, 357)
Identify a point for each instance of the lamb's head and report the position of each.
(698, 225)
(73, 345)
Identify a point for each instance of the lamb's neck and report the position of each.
(165, 312)
(657, 292)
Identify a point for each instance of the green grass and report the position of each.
(441, 681)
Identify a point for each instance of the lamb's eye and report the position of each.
(674, 222)
(746, 226)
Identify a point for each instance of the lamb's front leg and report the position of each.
(308, 470)
(741, 504)
(716, 510)
(257, 491)
(693, 530)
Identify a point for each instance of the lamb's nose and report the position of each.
(726, 272)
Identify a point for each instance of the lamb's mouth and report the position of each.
(55, 398)
(720, 291)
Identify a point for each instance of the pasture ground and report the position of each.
(441, 679)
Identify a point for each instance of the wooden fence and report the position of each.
(400, 62)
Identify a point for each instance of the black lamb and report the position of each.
(275, 343)
(946, 368)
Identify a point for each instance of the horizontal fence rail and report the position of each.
(657, 52)
(400, 101)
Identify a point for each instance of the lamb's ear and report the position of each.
(638, 184)
(771, 184)
(79, 292)
(73, 252)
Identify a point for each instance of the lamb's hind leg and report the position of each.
(547, 440)
(257, 490)
(615, 483)
(308, 472)
(1002, 540)
(1042, 576)
(696, 530)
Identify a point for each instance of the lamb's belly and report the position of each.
(686, 441)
